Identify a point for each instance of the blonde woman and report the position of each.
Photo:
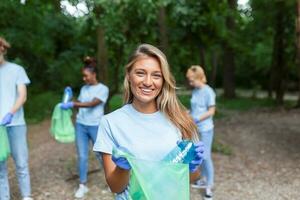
(203, 103)
(149, 124)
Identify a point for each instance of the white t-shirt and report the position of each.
(11, 75)
(145, 136)
(91, 116)
(202, 99)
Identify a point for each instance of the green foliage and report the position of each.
(50, 43)
(40, 105)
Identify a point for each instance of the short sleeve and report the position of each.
(80, 95)
(211, 99)
(102, 94)
(22, 77)
(104, 142)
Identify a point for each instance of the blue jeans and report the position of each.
(85, 134)
(207, 167)
(19, 151)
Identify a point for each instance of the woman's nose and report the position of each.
(147, 81)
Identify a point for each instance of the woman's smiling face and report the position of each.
(146, 80)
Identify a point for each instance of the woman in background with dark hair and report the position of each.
(91, 102)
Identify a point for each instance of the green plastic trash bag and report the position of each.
(4, 144)
(156, 180)
(62, 128)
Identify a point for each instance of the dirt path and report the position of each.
(265, 163)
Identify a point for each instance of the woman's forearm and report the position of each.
(116, 178)
(22, 96)
(95, 102)
(211, 112)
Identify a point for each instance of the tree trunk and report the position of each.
(102, 54)
(163, 30)
(202, 56)
(214, 69)
(298, 46)
(229, 55)
(278, 64)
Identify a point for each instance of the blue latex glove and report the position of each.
(68, 94)
(121, 162)
(7, 119)
(196, 120)
(66, 106)
(199, 151)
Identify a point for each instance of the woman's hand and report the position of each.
(66, 106)
(196, 162)
(121, 162)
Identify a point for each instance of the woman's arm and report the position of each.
(116, 178)
(22, 96)
(94, 102)
(211, 112)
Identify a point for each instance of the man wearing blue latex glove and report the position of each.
(13, 94)
(7, 119)
(66, 106)
(199, 151)
(121, 162)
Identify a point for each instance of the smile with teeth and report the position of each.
(146, 90)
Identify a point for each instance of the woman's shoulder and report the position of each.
(209, 89)
(116, 114)
(102, 86)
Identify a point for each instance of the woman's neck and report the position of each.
(94, 82)
(146, 108)
(2, 60)
(200, 85)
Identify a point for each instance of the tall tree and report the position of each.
(101, 46)
(229, 54)
(163, 29)
(298, 46)
(278, 70)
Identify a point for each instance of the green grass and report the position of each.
(222, 148)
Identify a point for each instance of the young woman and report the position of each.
(203, 103)
(91, 102)
(13, 95)
(149, 124)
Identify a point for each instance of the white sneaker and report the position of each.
(208, 194)
(27, 198)
(201, 183)
(81, 191)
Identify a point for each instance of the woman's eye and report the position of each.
(157, 76)
(140, 73)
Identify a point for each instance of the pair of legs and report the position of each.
(17, 137)
(85, 134)
(207, 168)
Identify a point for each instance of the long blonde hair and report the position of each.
(197, 72)
(167, 101)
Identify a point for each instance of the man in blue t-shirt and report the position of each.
(13, 81)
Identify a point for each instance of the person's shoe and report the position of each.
(27, 198)
(81, 191)
(208, 194)
(201, 183)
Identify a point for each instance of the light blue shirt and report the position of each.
(11, 75)
(91, 116)
(146, 136)
(202, 99)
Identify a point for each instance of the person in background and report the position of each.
(13, 94)
(150, 123)
(203, 107)
(91, 102)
